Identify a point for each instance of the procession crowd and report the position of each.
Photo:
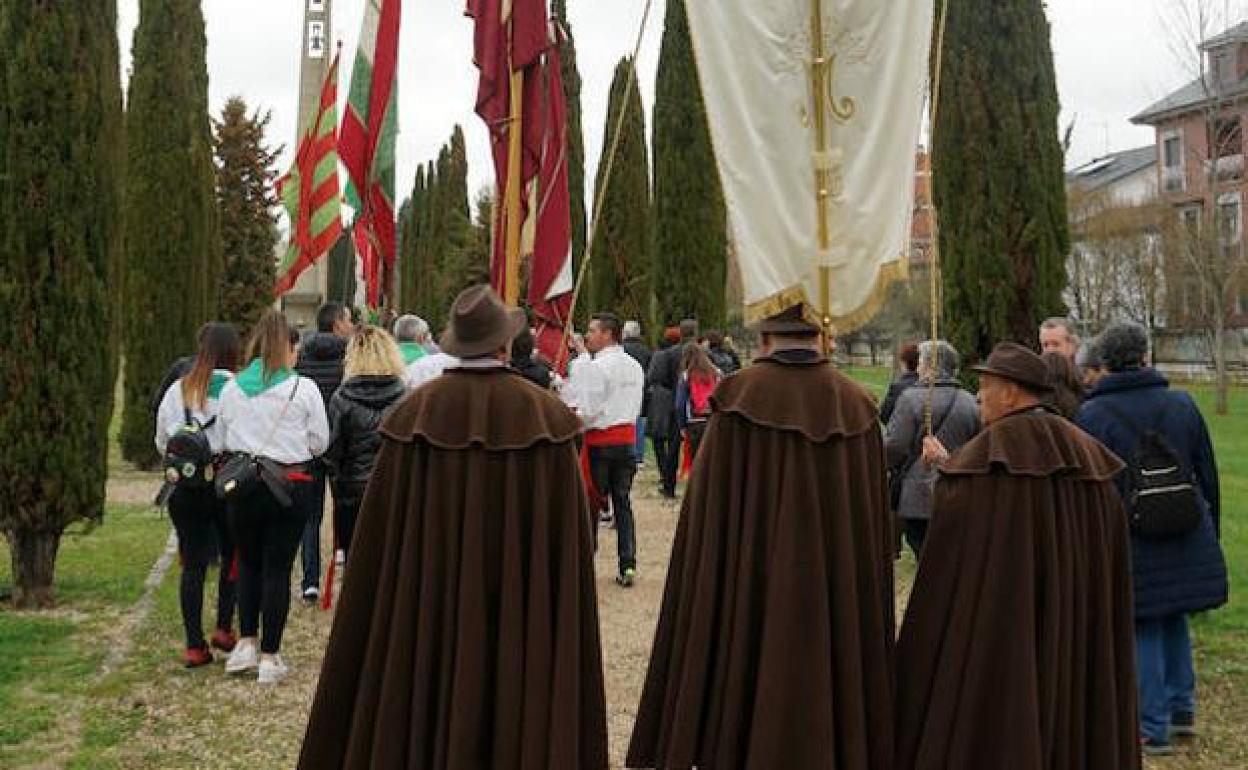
(1065, 520)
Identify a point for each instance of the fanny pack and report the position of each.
(243, 472)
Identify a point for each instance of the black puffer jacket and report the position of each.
(355, 413)
(321, 360)
(533, 370)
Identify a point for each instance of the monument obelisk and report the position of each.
(315, 55)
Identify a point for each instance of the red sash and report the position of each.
(617, 435)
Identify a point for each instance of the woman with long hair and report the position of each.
(1067, 389)
(199, 517)
(698, 379)
(278, 417)
(373, 383)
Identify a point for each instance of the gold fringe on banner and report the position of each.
(890, 273)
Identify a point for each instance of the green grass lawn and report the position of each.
(51, 697)
(874, 378)
(1229, 625)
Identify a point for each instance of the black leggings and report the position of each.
(268, 536)
(203, 538)
(345, 514)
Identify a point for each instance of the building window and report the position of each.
(1190, 216)
(1172, 162)
(1228, 138)
(1228, 219)
(316, 6)
(316, 40)
(1170, 152)
(1223, 65)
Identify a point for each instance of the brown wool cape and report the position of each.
(467, 634)
(774, 646)
(1017, 648)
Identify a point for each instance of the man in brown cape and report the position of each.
(467, 636)
(774, 646)
(1017, 650)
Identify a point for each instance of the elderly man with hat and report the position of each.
(1016, 650)
(467, 636)
(775, 643)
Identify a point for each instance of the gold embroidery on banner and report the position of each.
(890, 273)
(827, 107)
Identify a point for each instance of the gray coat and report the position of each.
(903, 441)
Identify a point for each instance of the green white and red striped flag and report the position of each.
(310, 190)
(367, 139)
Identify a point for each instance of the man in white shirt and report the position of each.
(431, 366)
(608, 385)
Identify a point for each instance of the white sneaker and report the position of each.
(311, 595)
(243, 658)
(340, 557)
(272, 670)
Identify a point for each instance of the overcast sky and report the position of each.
(1113, 59)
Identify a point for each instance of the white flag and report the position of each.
(759, 64)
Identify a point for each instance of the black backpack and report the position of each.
(188, 455)
(1161, 499)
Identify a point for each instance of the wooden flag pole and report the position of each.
(933, 108)
(515, 146)
(601, 192)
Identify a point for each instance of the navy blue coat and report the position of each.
(1186, 574)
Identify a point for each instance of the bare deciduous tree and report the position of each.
(1207, 244)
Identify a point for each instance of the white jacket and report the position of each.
(302, 433)
(170, 416)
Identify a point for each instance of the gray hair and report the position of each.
(632, 330)
(1058, 322)
(1123, 346)
(411, 328)
(947, 359)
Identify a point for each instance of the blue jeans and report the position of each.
(310, 543)
(1163, 656)
(639, 450)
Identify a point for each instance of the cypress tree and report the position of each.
(426, 247)
(202, 191)
(246, 199)
(453, 231)
(690, 221)
(576, 138)
(619, 277)
(61, 160)
(172, 231)
(1003, 231)
(409, 248)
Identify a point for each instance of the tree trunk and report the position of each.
(1219, 362)
(34, 563)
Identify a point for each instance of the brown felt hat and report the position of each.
(1013, 362)
(789, 321)
(480, 323)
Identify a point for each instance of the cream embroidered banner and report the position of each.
(815, 109)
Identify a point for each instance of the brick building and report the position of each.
(1201, 174)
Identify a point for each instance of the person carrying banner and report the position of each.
(774, 645)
